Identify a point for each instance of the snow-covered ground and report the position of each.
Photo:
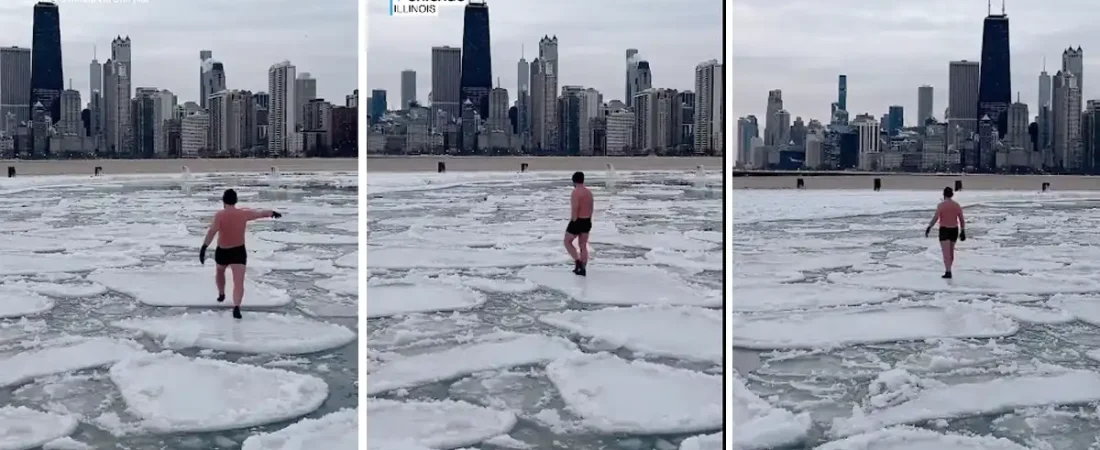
(481, 337)
(849, 339)
(110, 335)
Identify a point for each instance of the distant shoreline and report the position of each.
(428, 163)
(985, 182)
(165, 166)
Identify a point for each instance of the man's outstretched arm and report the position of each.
(254, 214)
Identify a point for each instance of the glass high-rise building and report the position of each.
(995, 83)
(477, 67)
(378, 106)
(47, 80)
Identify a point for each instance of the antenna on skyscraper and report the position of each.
(93, 51)
(1002, 7)
(989, 7)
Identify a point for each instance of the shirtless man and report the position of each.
(580, 223)
(230, 224)
(952, 228)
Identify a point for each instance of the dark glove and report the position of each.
(927, 231)
(962, 235)
(202, 255)
(275, 215)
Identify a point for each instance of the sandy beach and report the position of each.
(512, 163)
(921, 182)
(154, 166)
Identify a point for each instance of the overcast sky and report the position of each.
(592, 41)
(248, 36)
(890, 47)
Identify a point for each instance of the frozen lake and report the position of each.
(845, 337)
(480, 336)
(110, 336)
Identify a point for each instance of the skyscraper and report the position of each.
(47, 79)
(924, 104)
(164, 109)
(631, 66)
(709, 105)
(995, 85)
(1066, 122)
(897, 119)
(15, 86)
(281, 115)
(523, 100)
(116, 98)
(842, 92)
(408, 88)
(747, 128)
(378, 105)
(213, 80)
(477, 67)
(143, 116)
(962, 98)
(305, 89)
(771, 127)
(1073, 61)
(498, 110)
(69, 124)
(446, 86)
(203, 56)
(95, 75)
(544, 83)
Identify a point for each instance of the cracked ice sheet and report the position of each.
(758, 425)
(909, 438)
(804, 296)
(975, 399)
(968, 282)
(614, 395)
(333, 431)
(27, 365)
(623, 285)
(24, 428)
(500, 351)
(675, 332)
(446, 258)
(178, 285)
(432, 424)
(842, 327)
(261, 333)
(399, 299)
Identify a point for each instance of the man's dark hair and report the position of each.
(948, 192)
(578, 177)
(229, 197)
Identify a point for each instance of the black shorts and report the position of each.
(579, 226)
(949, 234)
(227, 256)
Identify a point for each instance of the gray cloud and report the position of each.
(248, 36)
(592, 41)
(888, 48)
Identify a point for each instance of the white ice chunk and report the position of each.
(467, 258)
(333, 431)
(836, 328)
(805, 296)
(975, 282)
(622, 285)
(740, 279)
(432, 424)
(1083, 307)
(31, 243)
(669, 331)
(185, 286)
(173, 393)
(758, 425)
(493, 353)
(976, 399)
(34, 264)
(349, 260)
(909, 438)
(340, 284)
(351, 226)
(613, 395)
(284, 261)
(703, 442)
(398, 299)
(797, 262)
(307, 238)
(664, 241)
(687, 260)
(16, 301)
(22, 428)
(66, 443)
(259, 333)
(1029, 314)
(97, 352)
(62, 290)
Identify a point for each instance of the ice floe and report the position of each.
(492, 352)
(804, 296)
(975, 282)
(910, 438)
(64, 357)
(447, 258)
(37, 263)
(173, 393)
(758, 425)
(259, 333)
(613, 395)
(667, 331)
(703, 442)
(19, 302)
(185, 286)
(432, 424)
(622, 285)
(22, 428)
(835, 328)
(333, 431)
(396, 299)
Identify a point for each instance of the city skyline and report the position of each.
(584, 42)
(167, 38)
(885, 33)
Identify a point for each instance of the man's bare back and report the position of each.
(231, 223)
(582, 203)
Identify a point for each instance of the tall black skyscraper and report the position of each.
(47, 80)
(995, 84)
(477, 67)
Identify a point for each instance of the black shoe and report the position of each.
(947, 275)
(581, 270)
(236, 312)
(576, 265)
(221, 298)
